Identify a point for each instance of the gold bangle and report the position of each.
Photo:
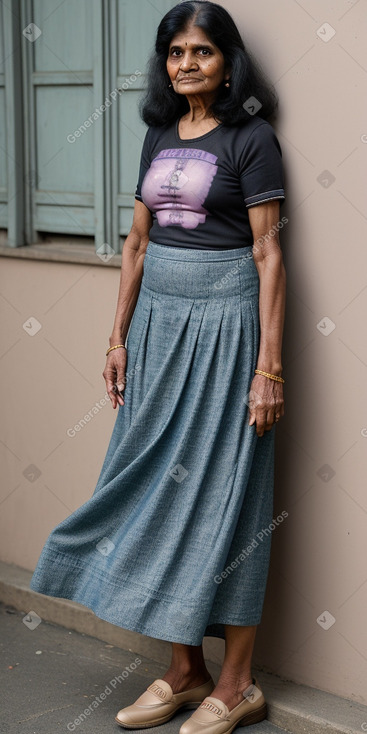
(116, 347)
(268, 374)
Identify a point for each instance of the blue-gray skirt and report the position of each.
(175, 542)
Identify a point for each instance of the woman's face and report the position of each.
(195, 64)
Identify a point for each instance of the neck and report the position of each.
(199, 107)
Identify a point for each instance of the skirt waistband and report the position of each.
(188, 253)
(199, 274)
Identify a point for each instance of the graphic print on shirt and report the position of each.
(177, 184)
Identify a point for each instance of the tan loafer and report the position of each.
(213, 716)
(158, 704)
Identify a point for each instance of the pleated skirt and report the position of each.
(175, 543)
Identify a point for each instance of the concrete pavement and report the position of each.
(51, 676)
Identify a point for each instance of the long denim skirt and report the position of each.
(174, 543)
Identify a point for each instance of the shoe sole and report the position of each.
(162, 719)
(253, 717)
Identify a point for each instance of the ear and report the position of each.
(227, 72)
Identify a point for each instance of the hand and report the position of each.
(114, 374)
(266, 403)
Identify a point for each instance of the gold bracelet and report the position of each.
(268, 374)
(116, 347)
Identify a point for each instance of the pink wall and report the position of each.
(314, 54)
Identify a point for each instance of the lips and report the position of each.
(188, 79)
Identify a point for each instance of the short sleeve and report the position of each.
(145, 160)
(261, 169)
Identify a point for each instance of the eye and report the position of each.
(205, 51)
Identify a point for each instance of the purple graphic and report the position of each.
(177, 184)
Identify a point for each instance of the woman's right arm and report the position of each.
(133, 253)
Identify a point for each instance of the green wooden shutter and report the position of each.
(63, 68)
(136, 24)
(81, 65)
(12, 205)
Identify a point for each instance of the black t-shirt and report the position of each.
(199, 190)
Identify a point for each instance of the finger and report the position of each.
(120, 371)
(252, 418)
(270, 418)
(252, 406)
(110, 387)
(114, 390)
(260, 421)
(120, 387)
(279, 411)
(118, 395)
(280, 406)
(251, 410)
(121, 382)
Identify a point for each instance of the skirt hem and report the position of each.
(153, 633)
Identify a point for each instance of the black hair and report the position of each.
(161, 105)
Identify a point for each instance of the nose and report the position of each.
(188, 62)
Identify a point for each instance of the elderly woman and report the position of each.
(175, 542)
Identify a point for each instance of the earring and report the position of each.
(170, 85)
(227, 84)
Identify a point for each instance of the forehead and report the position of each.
(191, 36)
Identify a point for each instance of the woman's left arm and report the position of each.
(268, 399)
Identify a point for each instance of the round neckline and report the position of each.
(193, 140)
